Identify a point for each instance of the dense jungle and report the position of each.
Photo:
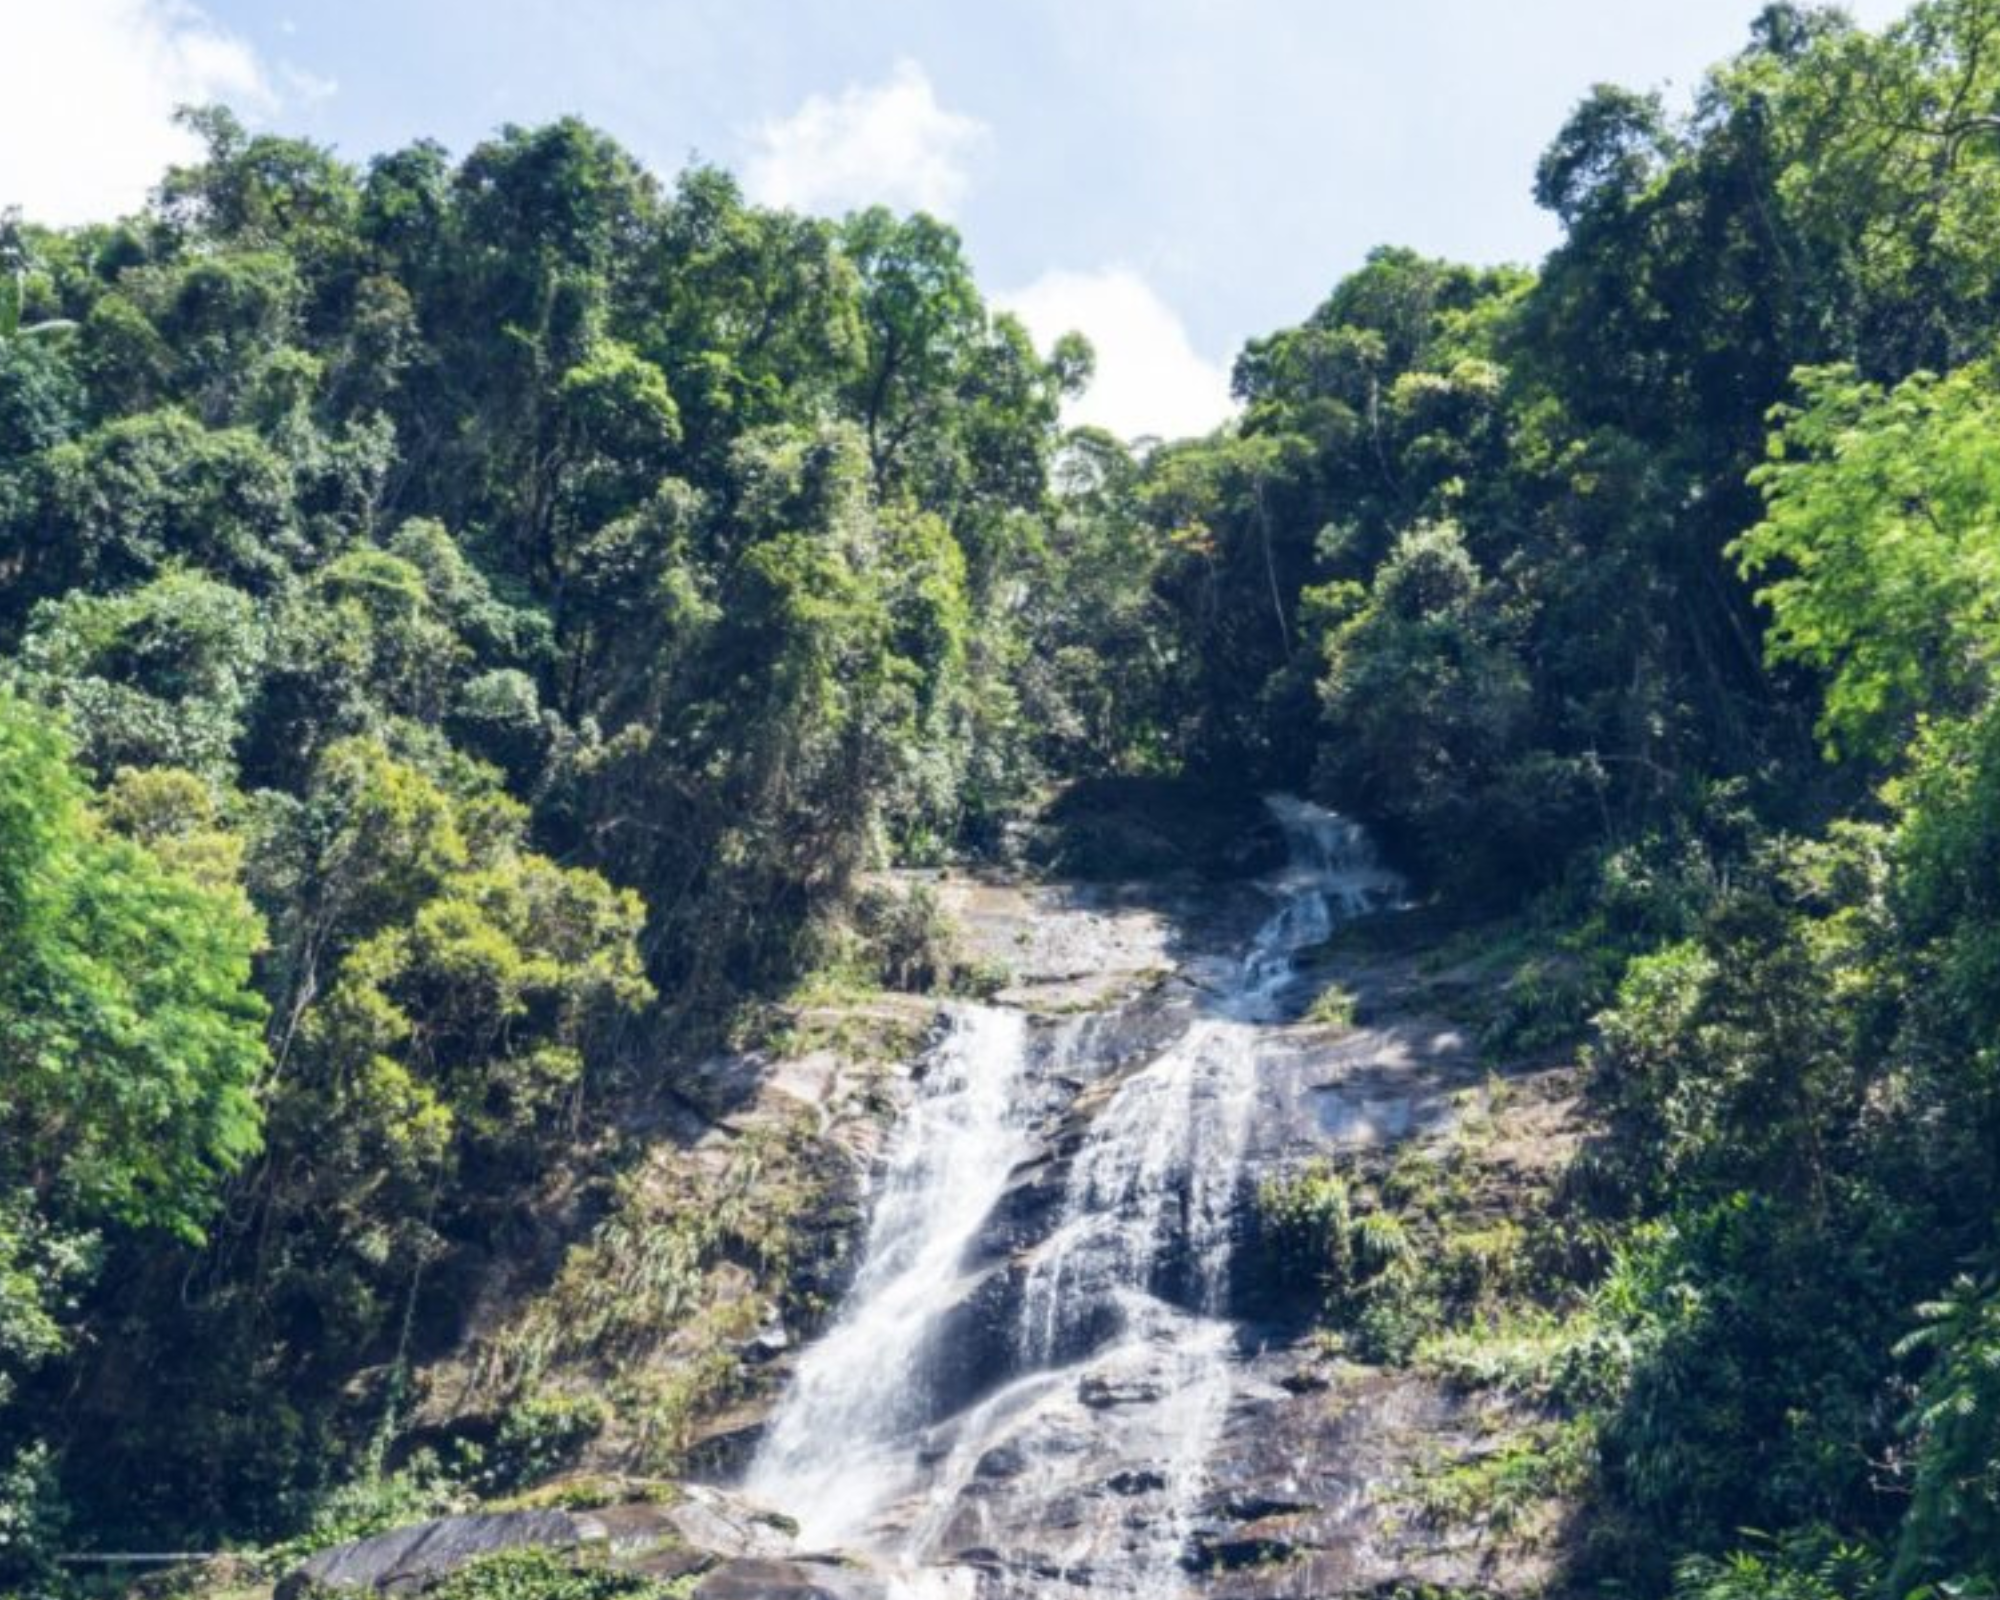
(502, 653)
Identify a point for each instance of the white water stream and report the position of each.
(1123, 1353)
(837, 1450)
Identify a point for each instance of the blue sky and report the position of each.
(1172, 175)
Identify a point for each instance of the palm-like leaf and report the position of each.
(13, 297)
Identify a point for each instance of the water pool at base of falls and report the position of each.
(1076, 1456)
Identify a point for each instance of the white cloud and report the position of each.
(87, 95)
(1150, 379)
(304, 88)
(889, 143)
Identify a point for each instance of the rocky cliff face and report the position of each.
(1114, 1387)
(1122, 1374)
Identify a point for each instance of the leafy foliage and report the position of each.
(501, 604)
(131, 1036)
(497, 609)
(1880, 537)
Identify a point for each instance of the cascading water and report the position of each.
(836, 1449)
(1118, 1371)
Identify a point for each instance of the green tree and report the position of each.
(132, 1038)
(159, 675)
(1952, 1534)
(1881, 549)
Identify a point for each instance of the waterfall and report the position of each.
(1122, 1352)
(833, 1454)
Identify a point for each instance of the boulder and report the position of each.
(714, 1519)
(407, 1560)
(698, 1529)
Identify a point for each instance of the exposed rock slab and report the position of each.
(713, 1519)
(1091, 955)
(701, 1529)
(803, 1579)
(1308, 1500)
(408, 1560)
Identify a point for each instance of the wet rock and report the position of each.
(671, 1563)
(1007, 1461)
(1027, 1209)
(406, 1560)
(1239, 1554)
(1313, 1480)
(789, 1580)
(720, 1451)
(766, 1344)
(714, 1519)
(1250, 1506)
(1100, 1392)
